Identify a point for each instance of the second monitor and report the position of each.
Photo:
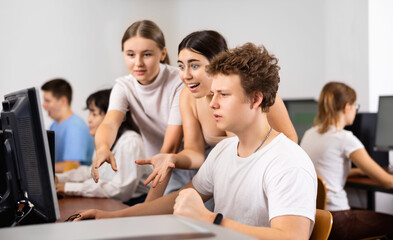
(302, 113)
(384, 129)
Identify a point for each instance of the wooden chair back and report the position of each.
(323, 225)
(321, 194)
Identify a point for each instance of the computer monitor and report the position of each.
(29, 172)
(364, 127)
(384, 131)
(302, 113)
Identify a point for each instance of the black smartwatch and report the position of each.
(218, 219)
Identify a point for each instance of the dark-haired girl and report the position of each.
(125, 185)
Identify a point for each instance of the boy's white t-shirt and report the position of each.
(330, 154)
(277, 180)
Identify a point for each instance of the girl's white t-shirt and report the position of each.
(330, 154)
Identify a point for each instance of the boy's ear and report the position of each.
(64, 100)
(256, 99)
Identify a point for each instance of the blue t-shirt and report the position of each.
(73, 140)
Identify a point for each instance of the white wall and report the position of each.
(380, 50)
(288, 29)
(346, 50)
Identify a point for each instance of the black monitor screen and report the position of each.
(302, 114)
(30, 178)
(384, 132)
(363, 127)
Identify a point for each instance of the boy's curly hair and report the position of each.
(258, 70)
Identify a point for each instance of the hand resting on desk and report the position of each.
(91, 214)
(75, 216)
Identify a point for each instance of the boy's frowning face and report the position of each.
(232, 108)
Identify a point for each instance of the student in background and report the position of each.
(332, 149)
(151, 93)
(124, 185)
(73, 143)
(259, 167)
(199, 126)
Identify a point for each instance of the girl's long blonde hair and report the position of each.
(334, 96)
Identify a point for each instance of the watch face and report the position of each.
(218, 219)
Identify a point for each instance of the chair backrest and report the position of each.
(321, 194)
(323, 225)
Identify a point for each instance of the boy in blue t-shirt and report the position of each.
(73, 142)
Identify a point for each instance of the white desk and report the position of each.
(146, 227)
